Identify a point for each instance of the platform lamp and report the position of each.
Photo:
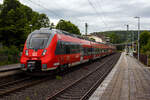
(138, 36)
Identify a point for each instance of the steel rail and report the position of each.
(52, 97)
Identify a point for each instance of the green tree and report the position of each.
(39, 20)
(15, 21)
(145, 42)
(144, 38)
(68, 26)
(146, 48)
(52, 25)
(114, 38)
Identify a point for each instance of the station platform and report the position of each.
(129, 80)
(9, 67)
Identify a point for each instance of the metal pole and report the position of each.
(132, 41)
(127, 28)
(127, 49)
(86, 26)
(138, 38)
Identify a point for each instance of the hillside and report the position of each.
(120, 36)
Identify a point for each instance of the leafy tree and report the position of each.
(52, 25)
(145, 42)
(68, 26)
(15, 21)
(146, 48)
(144, 38)
(114, 38)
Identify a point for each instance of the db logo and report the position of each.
(34, 54)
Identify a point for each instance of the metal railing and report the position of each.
(143, 58)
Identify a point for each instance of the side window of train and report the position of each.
(82, 50)
(85, 51)
(67, 45)
(58, 46)
(78, 48)
(63, 47)
(89, 51)
(72, 48)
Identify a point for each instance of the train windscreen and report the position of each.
(38, 41)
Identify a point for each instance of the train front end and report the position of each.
(38, 52)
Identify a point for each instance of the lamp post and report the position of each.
(138, 36)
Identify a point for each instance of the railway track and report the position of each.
(19, 84)
(82, 88)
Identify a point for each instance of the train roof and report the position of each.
(43, 30)
(54, 31)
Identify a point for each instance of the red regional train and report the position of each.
(52, 49)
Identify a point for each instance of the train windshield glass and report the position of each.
(38, 41)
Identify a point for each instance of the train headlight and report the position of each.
(26, 52)
(44, 52)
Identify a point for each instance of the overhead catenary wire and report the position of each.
(50, 11)
(94, 8)
(79, 21)
(102, 11)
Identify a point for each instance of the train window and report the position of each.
(38, 41)
(77, 49)
(63, 47)
(89, 51)
(73, 48)
(40, 35)
(58, 47)
(68, 45)
(100, 50)
(85, 51)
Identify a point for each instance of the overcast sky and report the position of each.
(101, 15)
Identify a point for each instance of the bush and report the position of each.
(9, 55)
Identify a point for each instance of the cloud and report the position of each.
(106, 14)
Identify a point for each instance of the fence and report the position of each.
(143, 58)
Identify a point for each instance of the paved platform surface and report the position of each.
(9, 67)
(129, 80)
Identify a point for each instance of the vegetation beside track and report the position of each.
(9, 55)
(17, 21)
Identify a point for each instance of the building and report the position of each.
(99, 38)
